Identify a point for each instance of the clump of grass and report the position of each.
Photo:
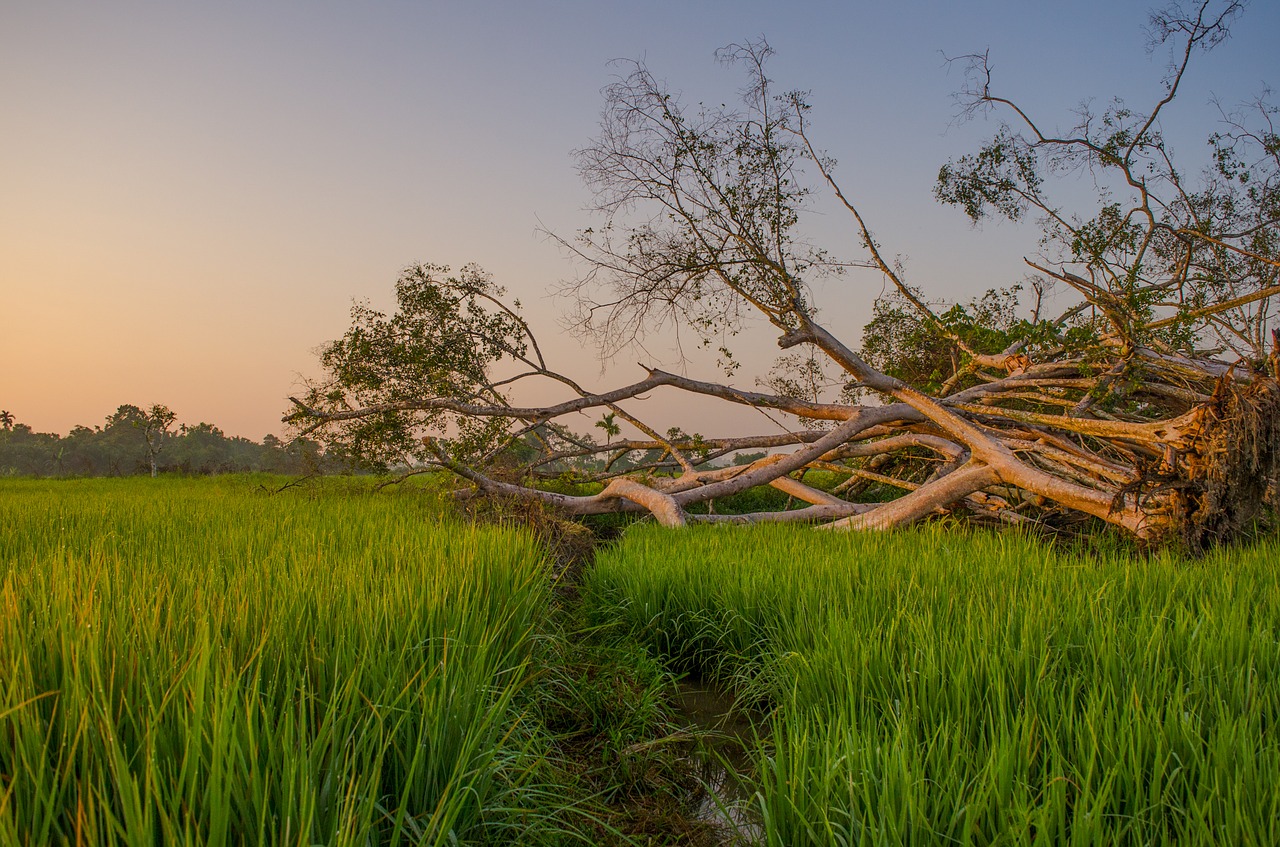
(606, 706)
(940, 687)
(569, 545)
(184, 663)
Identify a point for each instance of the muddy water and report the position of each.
(721, 760)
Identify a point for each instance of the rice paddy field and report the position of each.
(942, 687)
(198, 662)
(216, 662)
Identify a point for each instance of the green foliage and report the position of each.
(694, 446)
(441, 335)
(935, 687)
(998, 179)
(1240, 195)
(1151, 244)
(606, 423)
(440, 344)
(900, 342)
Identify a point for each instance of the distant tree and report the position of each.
(24, 452)
(130, 423)
(136, 440)
(155, 425)
(6, 419)
(120, 442)
(84, 452)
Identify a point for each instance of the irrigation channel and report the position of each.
(721, 760)
(714, 736)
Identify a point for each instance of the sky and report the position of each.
(193, 194)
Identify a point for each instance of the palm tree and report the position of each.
(6, 419)
(610, 428)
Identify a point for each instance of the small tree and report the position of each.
(1150, 402)
(155, 423)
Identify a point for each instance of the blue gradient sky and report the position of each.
(191, 194)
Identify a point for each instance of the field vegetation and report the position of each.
(230, 660)
(206, 662)
(936, 686)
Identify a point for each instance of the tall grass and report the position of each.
(942, 688)
(195, 663)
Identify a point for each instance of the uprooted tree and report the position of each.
(1150, 402)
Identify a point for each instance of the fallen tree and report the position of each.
(1149, 402)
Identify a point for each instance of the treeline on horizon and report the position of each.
(135, 441)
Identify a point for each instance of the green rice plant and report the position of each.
(936, 687)
(200, 663)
